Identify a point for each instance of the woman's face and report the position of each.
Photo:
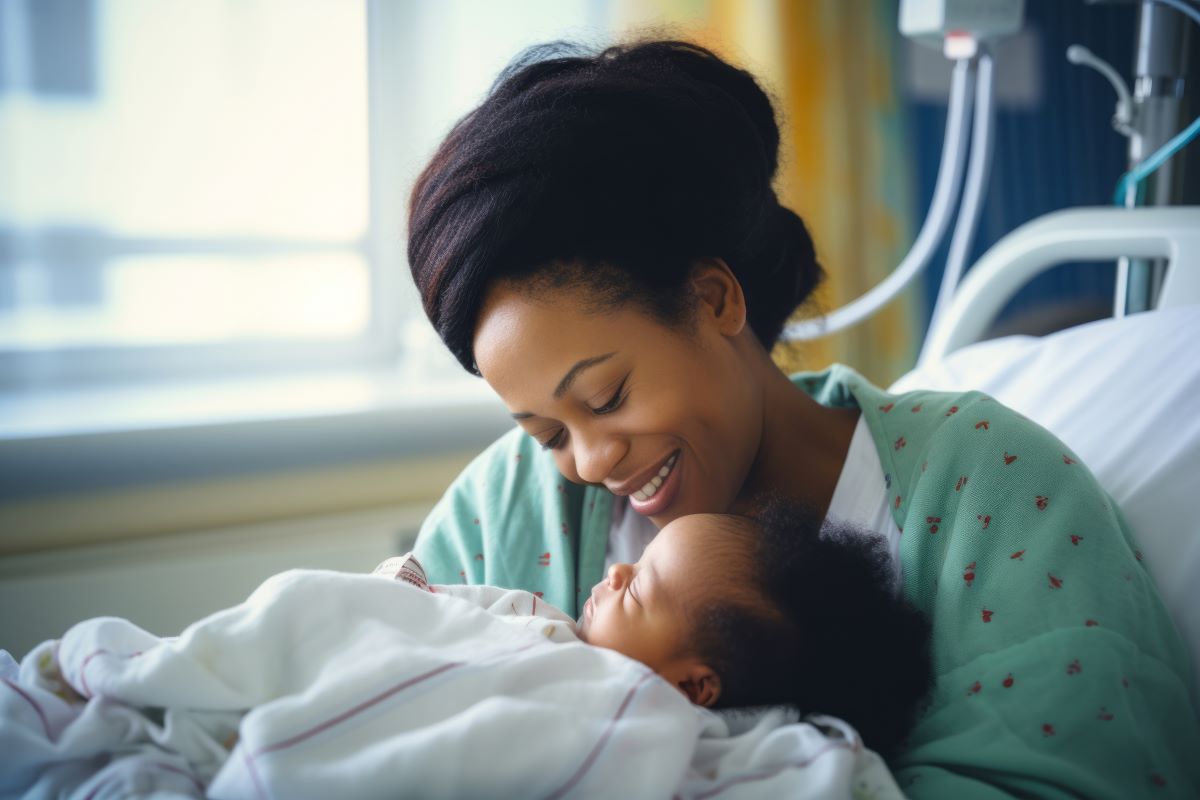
(670, 417)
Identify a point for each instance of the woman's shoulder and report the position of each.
(939, 442)
(840, 386)
(915, 430)
(913, 416)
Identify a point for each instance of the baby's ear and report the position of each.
(701, 684)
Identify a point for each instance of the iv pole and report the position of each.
(1160, 67)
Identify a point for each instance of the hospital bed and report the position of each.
(1123, 393)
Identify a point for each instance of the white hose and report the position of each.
(1078, 54)
(945, 194)
(978, 170)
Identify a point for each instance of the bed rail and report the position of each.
(1077, 234)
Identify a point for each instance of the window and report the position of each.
(219, 187)
(185, 186)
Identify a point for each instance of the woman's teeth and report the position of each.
(647, 491)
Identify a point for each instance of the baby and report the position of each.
(749, 612)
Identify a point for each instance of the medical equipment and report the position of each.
(1123, 113)
(930, 21)
(1083, 233)
(962, 29)
(1140, 118)
(978, 170)
(945, 194)
(1149, 117)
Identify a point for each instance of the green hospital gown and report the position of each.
(1058, 672)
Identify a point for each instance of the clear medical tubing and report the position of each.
(945, 194)
(979, 167)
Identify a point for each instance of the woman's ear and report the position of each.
(700, 683)
(720, 295)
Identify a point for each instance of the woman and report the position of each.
(601, 242)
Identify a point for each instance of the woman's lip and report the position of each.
(665, 494)
(628, 488)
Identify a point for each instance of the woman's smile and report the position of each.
(654, 497)
(663, 426)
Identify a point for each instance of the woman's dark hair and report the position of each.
(834, 637)
(614, 172)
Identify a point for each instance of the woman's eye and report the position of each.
(614, 402)
(555, 441)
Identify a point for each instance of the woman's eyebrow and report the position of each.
(565, 384)
(575, 371)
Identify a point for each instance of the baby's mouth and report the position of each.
(586, 616)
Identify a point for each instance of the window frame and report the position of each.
(392, 299)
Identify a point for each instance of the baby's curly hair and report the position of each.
(830, 634)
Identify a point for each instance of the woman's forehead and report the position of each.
(517, 331)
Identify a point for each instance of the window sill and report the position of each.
(99, 438)
(313, 444)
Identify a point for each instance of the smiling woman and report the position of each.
(601, 242)
(662, 403)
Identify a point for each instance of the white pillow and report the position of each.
(1124, 394)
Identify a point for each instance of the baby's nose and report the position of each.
(617, 575)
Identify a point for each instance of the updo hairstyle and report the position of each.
(613, 172)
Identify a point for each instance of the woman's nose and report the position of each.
(595, 456)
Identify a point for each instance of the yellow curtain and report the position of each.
(830, 67)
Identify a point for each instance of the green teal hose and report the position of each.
(1136, 175)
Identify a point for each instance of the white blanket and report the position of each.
(331, 685)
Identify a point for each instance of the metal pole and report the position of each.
(1159, 68)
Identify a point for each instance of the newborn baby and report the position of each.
(749, 612)
(323, 682)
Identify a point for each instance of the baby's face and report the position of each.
(644, 610)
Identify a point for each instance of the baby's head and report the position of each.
(770, 610)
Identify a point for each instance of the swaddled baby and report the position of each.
(749, 612)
